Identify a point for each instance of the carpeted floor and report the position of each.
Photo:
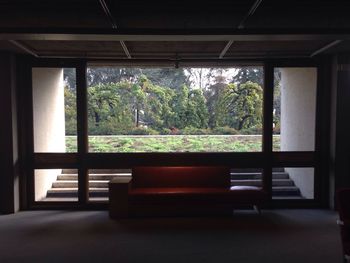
(276, 236)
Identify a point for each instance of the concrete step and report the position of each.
(285, 191)
(98, 171)
(243, 176)
(92, 176)
(254, 182)
(254, 170)
(74, 184)
(73, 192)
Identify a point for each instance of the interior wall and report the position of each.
(49, 122)
(340, 124)
(298, 119)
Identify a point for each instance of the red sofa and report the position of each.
(179, 191)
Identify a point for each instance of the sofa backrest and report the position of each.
(201, 176)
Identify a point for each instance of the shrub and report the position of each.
(225, 130)
(252, 130)
(194, 131)
(165, 131)
(143, 131)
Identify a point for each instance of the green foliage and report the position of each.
(240, 106)
(70, 111)
(179, 143)
(195, 131)
(128, 102)
(246, 74)
(225, 130)
(143, 131)
(252, 130)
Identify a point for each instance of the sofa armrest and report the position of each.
(118, 197)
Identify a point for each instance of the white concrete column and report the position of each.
(49, 121)
(298, 120)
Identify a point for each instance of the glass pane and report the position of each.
(242, 177)
(294, 110)
(99, 179)
(175, 110)
(293, 183)
(56, 185)
(54, 109)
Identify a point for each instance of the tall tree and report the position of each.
(252, 74)
(240, 106)
(212, 95)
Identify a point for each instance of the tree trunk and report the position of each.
(97, 119)
(242, 121)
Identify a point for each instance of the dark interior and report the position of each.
(82, 33)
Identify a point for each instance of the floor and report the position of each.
(90, 236)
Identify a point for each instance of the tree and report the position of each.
(212, 94)
(172, 78)
(70, 110)
(240, 106)
(107, 112)
(277, 101)
(245, 74)
(198, 115)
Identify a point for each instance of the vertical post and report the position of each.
(267, 126)
(9, 156)
(83, 183)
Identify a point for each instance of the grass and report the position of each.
(173, 143)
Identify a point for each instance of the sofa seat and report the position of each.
(189, 195)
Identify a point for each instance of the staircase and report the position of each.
(65, 188)
(66, 185)
(283, 186)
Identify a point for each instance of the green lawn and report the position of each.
(173, 143)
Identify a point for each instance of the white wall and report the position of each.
(304, 179)
(298, 114)
(49, 122)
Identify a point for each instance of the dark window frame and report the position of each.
(83, 160)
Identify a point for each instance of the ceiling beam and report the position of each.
(114, 25)
(223, 52)
(176, 35)
(23, 47)
(250, 13)
(326, 47)
(241, 25)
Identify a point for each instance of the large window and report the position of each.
(175, 110)
(92, 124)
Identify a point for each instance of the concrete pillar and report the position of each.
(298, 120)
(49, 122)
(9, 155)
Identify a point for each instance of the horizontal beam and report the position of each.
(175, 35)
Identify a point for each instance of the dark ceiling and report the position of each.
(22, 20)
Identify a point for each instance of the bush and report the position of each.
(225, 131)
(165, 131)
(194, 131)
(255, 130)
(108, 128)
(143, 131)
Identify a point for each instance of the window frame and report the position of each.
(83, 160)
